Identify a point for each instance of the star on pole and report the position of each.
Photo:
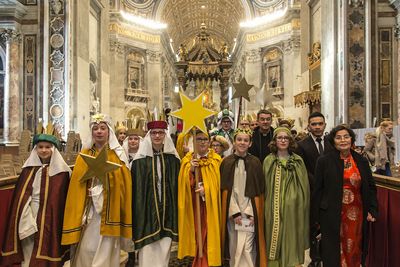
(98, 166)
(193, 113)
(242, 89)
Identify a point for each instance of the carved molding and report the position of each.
(396, 5)
(10, 35)
(117, 47)
(253, 55)
(153, 56)
(290, 45)
(356, 3)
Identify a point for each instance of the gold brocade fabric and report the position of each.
(351, 216)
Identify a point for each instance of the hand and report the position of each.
(200, 189)
(251, 218)
(185, 149)
(238, 220)
(193, 164)
(370, 218)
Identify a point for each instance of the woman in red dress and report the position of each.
(344, 201)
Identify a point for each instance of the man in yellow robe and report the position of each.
(98, 213)
(207, 162)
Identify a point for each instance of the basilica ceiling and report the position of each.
(221, 17)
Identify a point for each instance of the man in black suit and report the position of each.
(262, 135)
(314, 145)
(310, 149)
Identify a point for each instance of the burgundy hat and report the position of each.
(157, 125)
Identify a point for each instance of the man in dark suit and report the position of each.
(314, 145)
(262, 135)
(310, 149)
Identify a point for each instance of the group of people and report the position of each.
(233, 197)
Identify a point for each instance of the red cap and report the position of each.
(157, 125)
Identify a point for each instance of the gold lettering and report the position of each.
(141, 36)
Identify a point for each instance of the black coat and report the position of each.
(259, 143)
(308, 151)
(326, 204)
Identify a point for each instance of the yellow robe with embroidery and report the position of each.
(211, 180)
(116, 216)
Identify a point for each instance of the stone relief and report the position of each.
(57, 7)
(94, 99)
(56, 57)
(57, 24)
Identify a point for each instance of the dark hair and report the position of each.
(315, 114)
(292, 145)
(263, 111)
(333, 132)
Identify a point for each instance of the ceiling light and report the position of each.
(268, 18)
(152, 24)
(203, 6)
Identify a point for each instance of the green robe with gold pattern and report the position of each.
(287, 207)
(154, 219)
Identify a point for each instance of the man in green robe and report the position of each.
(155, 170)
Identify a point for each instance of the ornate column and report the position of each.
(11, 86)
(356, 64)
(57, 65)
(223, 85)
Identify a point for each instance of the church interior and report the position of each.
(62, 61)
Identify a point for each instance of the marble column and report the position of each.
(396, 5)
(253, 74)
(154, 86)
(329, 64)
(11, 86)
(356, 64)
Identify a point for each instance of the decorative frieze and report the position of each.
(153, 56)
(253, 55)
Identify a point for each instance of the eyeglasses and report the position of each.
(202, 140)
(283, 138)
(227, 121)
(160, 133)
(344, 137)
(215, 145)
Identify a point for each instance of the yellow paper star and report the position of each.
(193, 113)
(98, 166)
(242, 89)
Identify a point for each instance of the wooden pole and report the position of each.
(198, 218)
(239, 111)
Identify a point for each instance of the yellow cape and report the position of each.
(211, 179)
(116, 216)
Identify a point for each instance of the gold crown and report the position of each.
(119, 126)
(288, 123)
(50, 129)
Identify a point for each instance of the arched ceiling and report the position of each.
(221, 17)
(184, 18)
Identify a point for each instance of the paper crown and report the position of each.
(50, 134)
(135, 126)
(288, 123)
(99, 117)
(155, 120)
(119, 127)
(243, 131)
(50, 129)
